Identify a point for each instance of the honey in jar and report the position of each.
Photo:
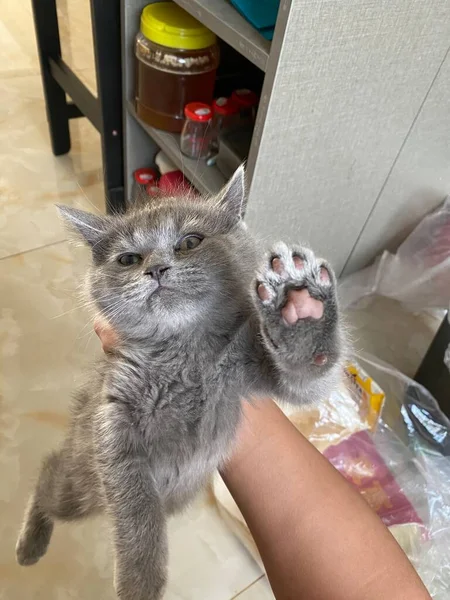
(177, 58)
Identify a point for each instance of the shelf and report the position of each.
(224, 20)
(208, 180)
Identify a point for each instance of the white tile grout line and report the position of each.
(248, 587)
(33, 249)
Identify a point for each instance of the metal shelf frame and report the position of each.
(225, 21)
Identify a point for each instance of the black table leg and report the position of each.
(49, 47)
(106, 33)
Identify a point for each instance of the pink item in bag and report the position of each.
(358, 460)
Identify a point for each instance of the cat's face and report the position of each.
(166, 266)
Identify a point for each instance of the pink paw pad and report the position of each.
(278, 266)
(298, 262)
(300, 305)
(263, 292)
(320, 359)
(324, 275)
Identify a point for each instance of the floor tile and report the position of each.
(385, 329)
(75, 29)
(32, 180)
(18, 54)
(18, 51)
(206, 559)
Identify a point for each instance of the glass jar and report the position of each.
(247, 102)
(225, 117)
(225, 114)
(176, 58)
(141, 179)
(197, 132)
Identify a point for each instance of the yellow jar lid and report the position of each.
(167, 24)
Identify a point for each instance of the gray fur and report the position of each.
(162, 412)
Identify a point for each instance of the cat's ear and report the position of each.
(232, 198)
(91, 228)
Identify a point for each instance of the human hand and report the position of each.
(106, 333)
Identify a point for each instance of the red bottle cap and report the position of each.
(198, 111)
(244, 98)
(144, 176)
(224, 106)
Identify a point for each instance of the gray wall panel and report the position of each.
(350, 79)
(419, 180)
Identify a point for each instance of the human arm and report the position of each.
(317, 537)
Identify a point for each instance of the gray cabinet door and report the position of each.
(338, 104)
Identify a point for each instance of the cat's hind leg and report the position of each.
(55, 497)
(300, 322)
(37, 527)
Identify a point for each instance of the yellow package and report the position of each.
(366, 392)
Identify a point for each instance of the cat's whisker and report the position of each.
(67, 312)
(89, 323)
(86, 304)
(89, 337)
(96, 209)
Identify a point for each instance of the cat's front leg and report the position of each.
(300, 322)
(134, 506)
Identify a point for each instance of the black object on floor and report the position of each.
(426, 419)
(433, 373)
(105, 111)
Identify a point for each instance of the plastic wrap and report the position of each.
(418, 275)
(414, 437)
(447, 352)
(397, 455)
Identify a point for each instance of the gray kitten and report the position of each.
(201, 328)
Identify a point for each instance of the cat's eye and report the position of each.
(189, 242)
(129, 259)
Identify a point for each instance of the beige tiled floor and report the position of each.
(46, 340)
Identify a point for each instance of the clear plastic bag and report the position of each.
(418, 275)
(447, 352)
(399, 462)
(413, 436)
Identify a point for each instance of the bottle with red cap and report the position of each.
(197, 132)
(225, 116)
(247, 103)
(142, 179)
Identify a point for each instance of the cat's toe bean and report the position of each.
(298, 262)
(324, 275)
(278, 266)
(263, 293)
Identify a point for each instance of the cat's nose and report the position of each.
(157, 271)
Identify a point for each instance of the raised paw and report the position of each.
(296, 297)
(296, 284)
